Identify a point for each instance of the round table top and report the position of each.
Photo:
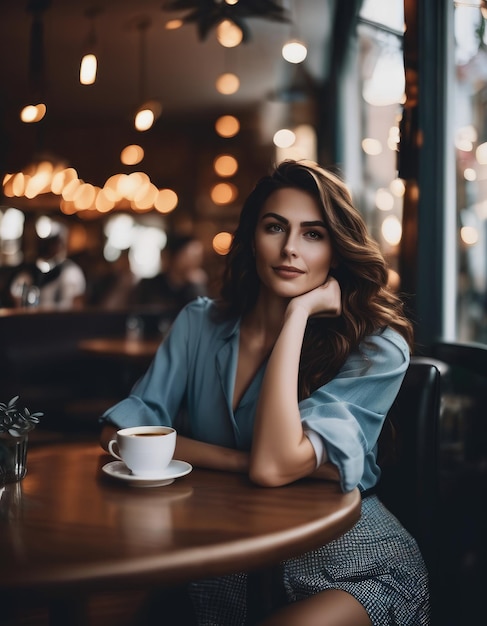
(69, 525)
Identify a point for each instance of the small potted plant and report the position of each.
(15, 425)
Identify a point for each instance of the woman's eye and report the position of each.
(274, 228)
(314, 234)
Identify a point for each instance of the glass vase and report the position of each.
(13, 458)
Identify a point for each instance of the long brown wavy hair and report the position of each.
(368, 305)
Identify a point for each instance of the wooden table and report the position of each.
(67, 529)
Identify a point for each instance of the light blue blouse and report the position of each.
(191, 379)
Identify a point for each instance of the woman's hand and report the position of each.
(323, 301)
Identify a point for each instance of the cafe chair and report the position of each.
(466, 399)
(464, 478)
(468, 355)
(409, 484)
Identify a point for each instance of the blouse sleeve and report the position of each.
(155, 399)
(349, 411)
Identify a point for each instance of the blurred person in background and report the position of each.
(53, 281)
(182, 279)
(114, 285)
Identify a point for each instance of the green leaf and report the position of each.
(13, 401)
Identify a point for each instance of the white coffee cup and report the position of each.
(145, 450)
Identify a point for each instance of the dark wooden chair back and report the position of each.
(409, 484)
(464, 481)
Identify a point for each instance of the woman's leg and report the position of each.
(332, 607)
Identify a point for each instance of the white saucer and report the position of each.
(175, 469)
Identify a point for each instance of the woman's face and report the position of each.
(293, 251)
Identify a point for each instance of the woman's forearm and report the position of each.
(281, 452)
(210, 456)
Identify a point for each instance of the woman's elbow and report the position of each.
(266, 476)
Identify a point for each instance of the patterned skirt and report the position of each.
(377, 562)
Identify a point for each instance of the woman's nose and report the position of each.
(289, 248)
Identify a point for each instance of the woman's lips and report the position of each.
(285, 271)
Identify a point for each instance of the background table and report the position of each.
(120, 347)
(131, 356)
(67, 527)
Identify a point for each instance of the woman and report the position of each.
(291, 374)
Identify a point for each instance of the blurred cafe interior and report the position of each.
(399, 115)
(405, 128)
(130, 123)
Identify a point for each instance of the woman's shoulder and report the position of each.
(383, 352)
(201, 307)
(205, 312)
(386, 343)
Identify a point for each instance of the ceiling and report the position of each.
(180, 68)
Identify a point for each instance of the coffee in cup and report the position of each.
(145, 450)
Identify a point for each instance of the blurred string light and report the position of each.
(465, 138)
(229, 34)
(223, 193)
(173, 24)
(227, 126)
(166, 201)
(294, 51)
(225, 165)
(391, 230)
(481, 153)
(284, 138)
(469, 235)
(221, 243)
(88, 68)
(132, 154)
(397, 187)
(227, 83)
(32, 113)
(130, 191)
(372, 147)
(145, 116)
(302, 144)
(149, 110)
(89, 61)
